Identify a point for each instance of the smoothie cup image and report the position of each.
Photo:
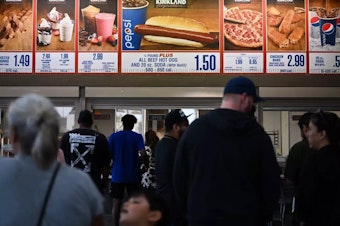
(89, 19)
(104, 24)
(133, 13)
(66, 29)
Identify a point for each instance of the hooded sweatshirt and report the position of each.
(226, 170)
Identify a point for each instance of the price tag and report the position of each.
(98, 62)
(171, 62)
(328, 63)
(20, 62)
(62, 62)
(286, 63)
(243, 62)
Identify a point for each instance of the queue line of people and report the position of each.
(220, 170)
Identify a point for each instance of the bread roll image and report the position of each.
(296, 35)
(278, 38)
(176, 31)
(299, 10)
(296, 18)
(272, 11)
(274, 21)
(286, 22)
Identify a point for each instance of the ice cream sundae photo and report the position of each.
(44, 33)
(54, 17)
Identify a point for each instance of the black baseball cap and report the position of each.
(173, 117)
(241, 85)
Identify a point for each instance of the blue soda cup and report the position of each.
(328, 31)
(131, 17)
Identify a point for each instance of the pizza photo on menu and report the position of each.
(242, 27)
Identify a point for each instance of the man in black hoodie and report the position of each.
(225, 170)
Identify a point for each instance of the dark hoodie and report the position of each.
(226, 171)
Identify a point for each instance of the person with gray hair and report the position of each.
(35, 188)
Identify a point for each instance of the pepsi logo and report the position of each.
(327, 28)
(338, 22)
(314, 21)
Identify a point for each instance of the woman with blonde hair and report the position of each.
(35, 188)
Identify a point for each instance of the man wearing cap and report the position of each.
(225, 170)
(125, 146)
(176, 123)
(88, 150)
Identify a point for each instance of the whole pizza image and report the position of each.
(243, 25)
(286, 26)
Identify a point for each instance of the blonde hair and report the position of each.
(36, 123)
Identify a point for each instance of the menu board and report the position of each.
(98, 36)
(114, 37)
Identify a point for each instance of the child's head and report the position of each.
(144, 208)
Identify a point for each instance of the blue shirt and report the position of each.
(124, 147)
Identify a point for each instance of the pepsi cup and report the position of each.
(328, 31)
(133, 14)
(314, 25)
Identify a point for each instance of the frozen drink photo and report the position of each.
(104, 24)
(89, 19)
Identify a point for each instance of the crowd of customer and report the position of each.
(220, 170)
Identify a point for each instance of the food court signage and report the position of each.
(169, 36)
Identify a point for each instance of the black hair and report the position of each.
(85, 118)
(156, 202)
(129, 121)
(328, 122)
(304, 119)
(252, 111)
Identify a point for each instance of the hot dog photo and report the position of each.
(178, 27)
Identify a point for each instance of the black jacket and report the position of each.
(320, 188)
(226, 170)
(164, 164)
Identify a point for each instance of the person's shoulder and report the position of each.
(135, 133)
(112, 134)
(73, 173)
(300, 146)
(66, 134)
(75, 179)
(5, 163)
(79, 131)
(101, 135)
